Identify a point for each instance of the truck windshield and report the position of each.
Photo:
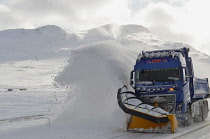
(158, 75)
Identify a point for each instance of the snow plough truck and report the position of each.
(166, 92)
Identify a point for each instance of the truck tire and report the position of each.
(202, 113)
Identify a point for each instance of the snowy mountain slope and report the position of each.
(99, 63)
(51, 41)
(40, 43)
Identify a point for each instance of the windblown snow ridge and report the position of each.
(97, 71)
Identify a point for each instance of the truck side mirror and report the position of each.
(185, 76)
(131, 82)
(131, 78)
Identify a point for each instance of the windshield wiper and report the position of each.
(153, 81)
(171, 80)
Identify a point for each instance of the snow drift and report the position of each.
(96, 72)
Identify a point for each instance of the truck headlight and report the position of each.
(163, 88)
(158, 89)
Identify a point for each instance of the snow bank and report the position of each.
(97, 71)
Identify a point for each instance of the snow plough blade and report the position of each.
(143, 125)
(144, 117)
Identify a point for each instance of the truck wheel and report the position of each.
(186, 123)
(206, 109)
(202, 113)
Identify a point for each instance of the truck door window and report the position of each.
(137, 76)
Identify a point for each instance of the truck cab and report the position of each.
(165, 78)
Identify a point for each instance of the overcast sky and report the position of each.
(177, 20)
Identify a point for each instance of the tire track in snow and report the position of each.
(24, 118)
(194, 130)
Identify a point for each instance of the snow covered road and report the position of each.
(85, 104)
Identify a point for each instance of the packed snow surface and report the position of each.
(88, 67)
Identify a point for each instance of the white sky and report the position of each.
(177, 20)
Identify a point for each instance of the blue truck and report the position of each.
(166, 93)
